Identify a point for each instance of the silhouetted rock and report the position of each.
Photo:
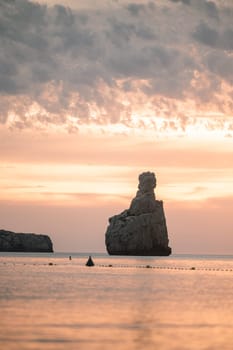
(141, 229)
(24, 242)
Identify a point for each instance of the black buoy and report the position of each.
(90, 262)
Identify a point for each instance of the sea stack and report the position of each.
(25, 242)
(141, 229)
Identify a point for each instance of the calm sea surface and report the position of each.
(172, 303)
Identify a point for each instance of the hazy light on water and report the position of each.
(126, 306)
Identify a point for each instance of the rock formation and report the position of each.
(141, 229)
(24, 242)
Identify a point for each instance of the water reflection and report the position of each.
(69, 305)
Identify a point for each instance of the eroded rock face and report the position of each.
(24, 242)
(141, 229)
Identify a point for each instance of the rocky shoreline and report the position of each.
(25, 242)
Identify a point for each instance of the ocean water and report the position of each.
(167, 303)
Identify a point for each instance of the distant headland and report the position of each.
(25, 242)
(141, 229)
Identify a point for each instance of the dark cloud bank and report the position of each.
(65, 60)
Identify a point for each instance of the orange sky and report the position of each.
(68, 186)
(102, 95)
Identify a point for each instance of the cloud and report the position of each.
(211, 37)
(211, 9)
(221, 65)
(206, 35)
(135, 8)
(98, 64)
(185, 2)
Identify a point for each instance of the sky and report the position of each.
(92, 93)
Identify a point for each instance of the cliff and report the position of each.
(24, 242)
(141, 229)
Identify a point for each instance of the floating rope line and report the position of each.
(168, 267)
(181, 268)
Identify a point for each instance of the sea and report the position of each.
(54, 301)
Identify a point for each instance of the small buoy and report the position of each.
(90, 262)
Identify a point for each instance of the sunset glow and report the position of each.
(94, 94)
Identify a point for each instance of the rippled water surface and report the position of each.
(180, 302)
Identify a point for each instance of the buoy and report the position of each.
(90, 262)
